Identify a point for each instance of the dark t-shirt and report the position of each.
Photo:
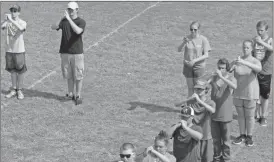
(202, 116)
(71, 42)
(186, 148)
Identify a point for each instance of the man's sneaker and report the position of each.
(70, 97)
(78, 100)
(258, 119)
(239, 139)
(20, 94)
(263, 122)
(11, 94)
(249, 141)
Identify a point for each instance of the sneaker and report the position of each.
(258, 119)
(78, 100)
(263, 122)
(239, 140)
(20, 94)
(70, 97)
(249, 141)
(11, 94)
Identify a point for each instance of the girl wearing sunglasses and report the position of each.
(186, 136)
(196, 48)
(158, 152)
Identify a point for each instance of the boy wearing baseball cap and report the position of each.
(15, 50)
(203, 108)
(71, 50)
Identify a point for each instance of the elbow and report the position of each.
(80, 31)
(200, 136)
(234, 87)
(259, 69)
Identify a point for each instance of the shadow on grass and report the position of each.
(151, 107)
(35, 93)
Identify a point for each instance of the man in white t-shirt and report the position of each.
(15, 50)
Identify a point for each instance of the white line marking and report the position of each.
(40, 80)
(119, 27)
(93, 45)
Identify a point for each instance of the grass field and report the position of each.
(133, 78)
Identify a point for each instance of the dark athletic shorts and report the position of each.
(265, 85)
(16, 62)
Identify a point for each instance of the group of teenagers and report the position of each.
(71, 51)
(203, 133)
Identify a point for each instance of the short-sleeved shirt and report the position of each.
(185, 147)
(247, 82)
(202, 116)
(71, 42)
(221, 94)
(15, 39)
(195, 48)
(150, 158)
(267, 62)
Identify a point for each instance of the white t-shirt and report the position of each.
(15, 41)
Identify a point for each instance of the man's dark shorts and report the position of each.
(265, 85)
(16, 62)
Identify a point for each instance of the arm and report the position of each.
(172, 129)
(4, 25)
(21, 27)
(205, 56)
(181, 46)
(55, 26)
(255, 66)
(231, 83)
(162, 157)
(194, 134)
(74, 27)
(259, 40)
(268, 46)
(210, 108)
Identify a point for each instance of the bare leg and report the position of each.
(20, 78)
(79, 84)
(13, 80)
(70, 86)
(241, 120)
(264, 107)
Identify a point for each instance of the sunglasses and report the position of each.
(193, 29)
(125, 155)
(13, 10)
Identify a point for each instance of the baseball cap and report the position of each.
(201, 84)
(187, 111)
(73, 5)
(15, 7)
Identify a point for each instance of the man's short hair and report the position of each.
(128, 146)
(262, 23)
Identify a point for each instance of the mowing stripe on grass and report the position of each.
(93, 45)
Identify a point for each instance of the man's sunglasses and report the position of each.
(193, 29)
(125, 155)
(13, 10)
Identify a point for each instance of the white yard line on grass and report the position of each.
(93, 45)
